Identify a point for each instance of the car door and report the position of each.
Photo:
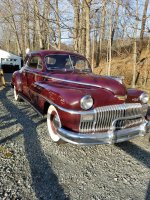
(33, 74)
(25, 88)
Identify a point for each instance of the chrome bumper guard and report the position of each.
(109, 137)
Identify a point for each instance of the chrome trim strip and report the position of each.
(67, 81)
(26, 100)
(124, 118)
(64, 109)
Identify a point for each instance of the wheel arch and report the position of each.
(46, 106)
(17, 81)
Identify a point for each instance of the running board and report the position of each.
(33, 107)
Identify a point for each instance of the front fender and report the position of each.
(67, 98)
(133, 95)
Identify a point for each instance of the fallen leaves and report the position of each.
(6, 152)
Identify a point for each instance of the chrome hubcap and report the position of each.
(56, 122)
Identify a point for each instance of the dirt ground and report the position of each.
(33, 167)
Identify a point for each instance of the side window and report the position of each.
(51, 60)
(80, 64)
(35, 63)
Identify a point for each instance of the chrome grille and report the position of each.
(106, 115)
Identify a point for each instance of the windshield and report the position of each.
(67, 62)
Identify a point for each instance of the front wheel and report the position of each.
(53, 123)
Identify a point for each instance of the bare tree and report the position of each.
(82, 39)
(87, 16)
(58, 24)
(76, 6)
(110, 41)
(135, 46)
(101, 33)
(37, 22)
(97, 29)
(8, 15)
(115, 20)
(144, 17)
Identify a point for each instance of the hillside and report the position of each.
(123, 66)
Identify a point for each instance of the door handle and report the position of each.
(45, 79)
(25, 72)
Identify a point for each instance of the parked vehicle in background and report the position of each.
(82, 108)
(9, 62)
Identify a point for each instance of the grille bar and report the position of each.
(104, 117)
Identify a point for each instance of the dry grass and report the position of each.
(123, 66)
(5, 152)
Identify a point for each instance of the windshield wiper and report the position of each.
(63, 69)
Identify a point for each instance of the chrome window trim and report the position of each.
(71, 63)
(69, 56)
(28, 68)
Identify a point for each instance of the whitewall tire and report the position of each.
(53, 123)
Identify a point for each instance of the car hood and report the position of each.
(90, 81)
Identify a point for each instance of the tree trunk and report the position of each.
(146, 67)
(58, 24)
(110, 40)
(87, 16)
(93, 50)
(82, 30)
(143, 24)
(76, 24)
(101, 34)
(38, 25)
(14, 27)
(115, 22)
(135, 48)
(34, 33)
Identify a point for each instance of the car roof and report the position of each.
(44, 53)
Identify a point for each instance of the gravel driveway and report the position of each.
(33, 167)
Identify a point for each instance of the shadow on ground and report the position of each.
(44, 181)
(139, 154)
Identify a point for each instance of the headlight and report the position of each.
(86, 102)
(144, 97)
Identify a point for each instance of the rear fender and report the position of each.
(16, 81)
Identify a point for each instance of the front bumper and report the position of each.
(109, 137)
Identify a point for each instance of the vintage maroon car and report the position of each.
(81, 108)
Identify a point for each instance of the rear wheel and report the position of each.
(53, 123)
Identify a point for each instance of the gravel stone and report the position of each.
(33, 167)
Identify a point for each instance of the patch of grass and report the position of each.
(5, 152)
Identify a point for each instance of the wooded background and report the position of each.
(114, 35)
